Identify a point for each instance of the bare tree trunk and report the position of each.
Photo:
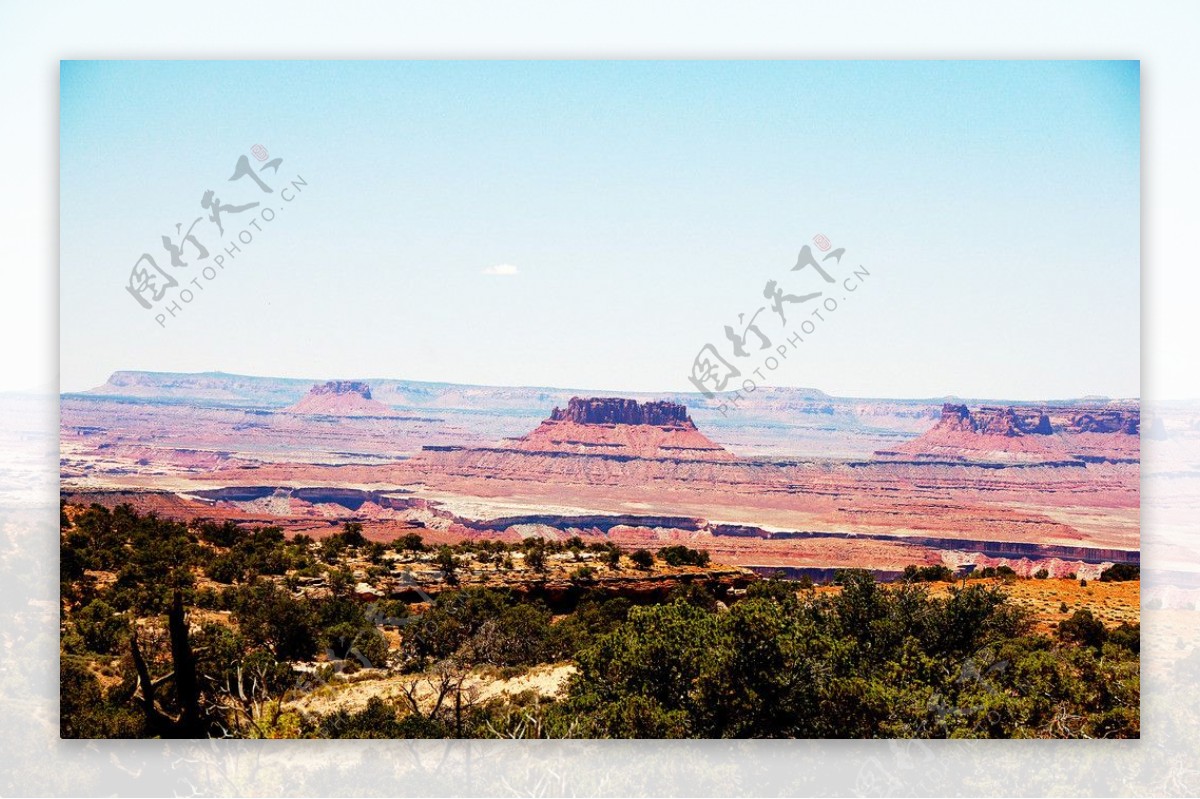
(189, 724)
(157, 723)
(187, 686)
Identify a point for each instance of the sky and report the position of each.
(596, 224)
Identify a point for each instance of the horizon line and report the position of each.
(615, 392)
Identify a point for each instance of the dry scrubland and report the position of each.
(206, 629)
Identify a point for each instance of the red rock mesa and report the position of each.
(1028, 434)
(340, 398)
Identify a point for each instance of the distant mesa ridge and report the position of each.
(340, 398)
(1029, 433)
(617, 410)
(595, 439)
(1106, 421)
(995, 421)
(341, 387)
(1011, 421)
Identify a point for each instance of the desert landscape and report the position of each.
(259, 557)
(387, 558)
(792, 480)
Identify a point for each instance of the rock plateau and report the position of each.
(340, 398)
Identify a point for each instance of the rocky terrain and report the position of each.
(1028, 434)
(769, 421)
(340, 398)
(622, 428)
(800, 481)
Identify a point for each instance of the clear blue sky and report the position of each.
(643, 206)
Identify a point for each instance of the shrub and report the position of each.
(100, 627)
(777, 590)
(694, 593)
(410, 542)
(1128, 636)
(535, 558)
(352, 534)
(369, 648)
(1084, 629)
(1120, 572)
(376, 720)
(448, 564)
(225, 569)
(84, 711)
(928, 574)
(679, 555)
(642, 558)
(271, 616)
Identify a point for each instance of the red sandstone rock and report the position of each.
(340, 398)
(598, 429)
(1027, 435)
(614, 410)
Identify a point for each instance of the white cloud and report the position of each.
(501, 270)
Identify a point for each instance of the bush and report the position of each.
(1084, 629)
(224, 569)
(518, 636)
(271, 616)
(410, 542)
(369, 648)
(928, 574)
(223, 535)
(449, 564)
(642, 559)
(694, 593)
(1041, 574)
(535, 558)
(352, 535)
(478, 626)
(1128, 636)
(100, 627)
(377, 720)
(84, 711)
(1120, 572)
(386, 611)
(683, 556)
(867, 662)
(774, 589)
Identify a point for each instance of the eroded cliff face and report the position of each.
(616, 410)
(341, 388)
(1029, 433)
(340, 398)
(619, 431)
(605, 440)
(1125, 422)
